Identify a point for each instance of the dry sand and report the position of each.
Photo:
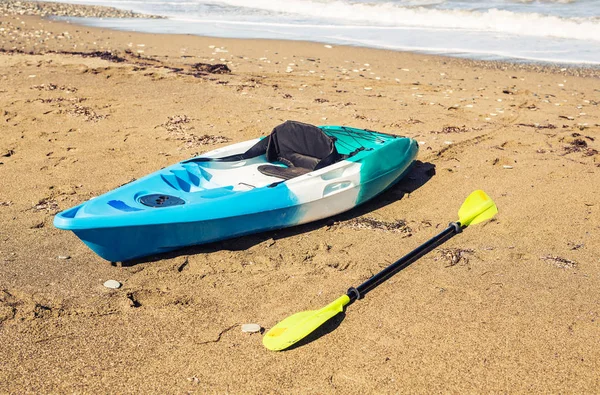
(518, 312)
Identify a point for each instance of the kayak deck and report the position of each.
(201, 200)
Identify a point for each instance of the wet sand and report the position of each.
(508, 306)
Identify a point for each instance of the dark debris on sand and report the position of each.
(218, 68)
(210, 139)
(452, 129)
(87, 113)
(398, 226)
(47, 204)
(197, 70)
(178, 126)
(453, 256)
(579, 144)
(54, 87)
(537, 125)
(560, 262)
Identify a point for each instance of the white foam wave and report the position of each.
(537, 56)
(546, 1)
(392, 14)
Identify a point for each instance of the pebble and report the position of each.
(507, 167)
(64, 257)
(112, 284)
(193, 379)
(251, 328)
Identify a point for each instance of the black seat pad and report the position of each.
(299, 144)
(285, 173)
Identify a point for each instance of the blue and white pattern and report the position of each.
(229, 199)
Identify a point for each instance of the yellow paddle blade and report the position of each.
(477, 208)
(296, 327)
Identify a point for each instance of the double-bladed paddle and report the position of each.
(476, 208)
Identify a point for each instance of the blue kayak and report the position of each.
(299, 173)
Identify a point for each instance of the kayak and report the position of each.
(298, 174)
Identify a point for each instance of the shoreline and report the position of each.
(70, 13)
(473, 57)
(567, 68)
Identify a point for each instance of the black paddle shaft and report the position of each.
(359, 292)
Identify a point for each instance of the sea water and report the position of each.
(557, 31)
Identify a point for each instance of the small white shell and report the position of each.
(251, 328)
(112, 284)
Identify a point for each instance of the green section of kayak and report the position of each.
(378, 172)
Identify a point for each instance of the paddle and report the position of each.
(476, 208)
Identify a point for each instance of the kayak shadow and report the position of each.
(418, 175)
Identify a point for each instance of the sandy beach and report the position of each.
(510, 306)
